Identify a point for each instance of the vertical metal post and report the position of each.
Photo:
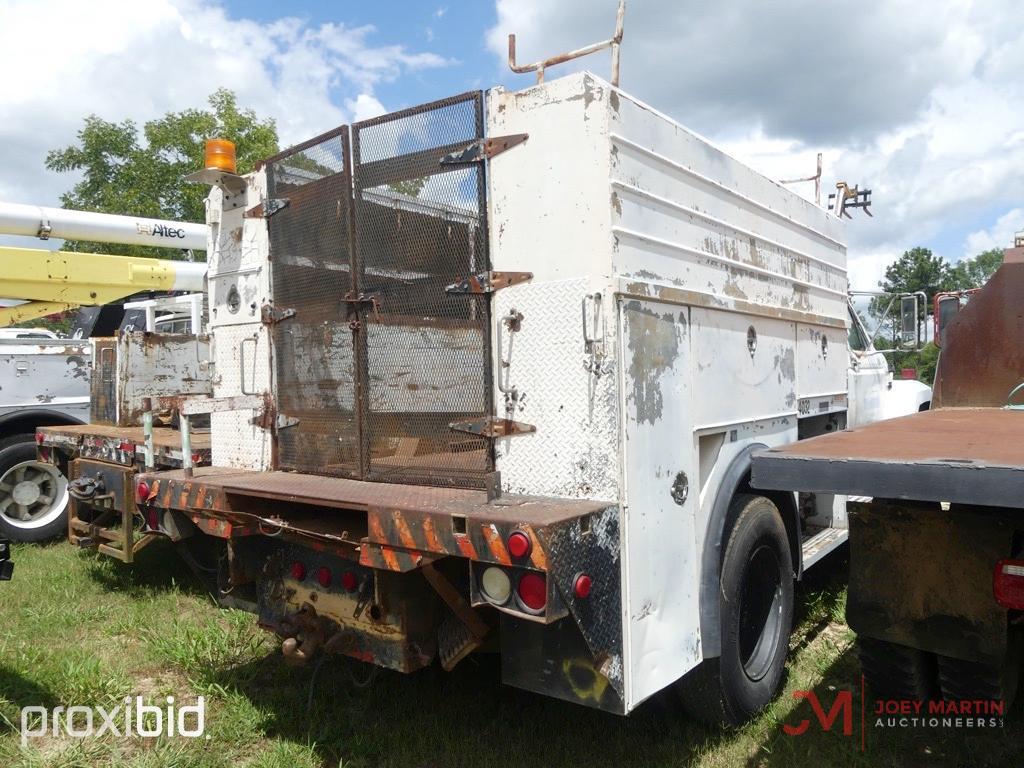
(196, 301)
(186, 446)
(147, 430)
(617, 41)
(817, 183)
(150, 318)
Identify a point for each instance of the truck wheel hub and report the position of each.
(26, 492)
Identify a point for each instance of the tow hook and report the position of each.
(306, 633)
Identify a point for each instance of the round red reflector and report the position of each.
(142, 492)
(349, 581)
(298, 571)
(582, 586)
(323, 575)
(518, 544)
(533, 591)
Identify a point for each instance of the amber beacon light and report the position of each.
(220, 155)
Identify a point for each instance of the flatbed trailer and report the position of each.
(102, 461)
(936, 591)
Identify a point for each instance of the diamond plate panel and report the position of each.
(242, 358)
(575, 451)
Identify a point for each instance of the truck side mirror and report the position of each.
(910, 328)
(947, 308)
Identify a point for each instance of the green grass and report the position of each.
(81, 629)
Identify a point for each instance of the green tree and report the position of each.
(975, 272)
(917, 270)
(125, 173)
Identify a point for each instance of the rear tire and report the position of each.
(895, 671)
(971, 680)
(756, 613)
(33, 495)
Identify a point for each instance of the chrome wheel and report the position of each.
(32, 494)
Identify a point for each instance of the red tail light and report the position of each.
(533, 591)
(40, 437)
(349, 581)
(518, 544)
(323, 576)
(298, 571)
(1008, 584)
(142, 492)
(582, 586)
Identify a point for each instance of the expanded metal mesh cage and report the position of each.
(310, 247)
(421, 226)
(378, 358)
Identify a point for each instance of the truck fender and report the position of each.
(736, 479)
(23, 421)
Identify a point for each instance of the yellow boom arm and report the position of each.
(53, 281)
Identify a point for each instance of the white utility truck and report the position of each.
(494, 367)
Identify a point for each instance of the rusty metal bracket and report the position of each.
(459, 605)
(488, 282)
(269, 314)
(484, 149)
(267, 208)
(492, 426)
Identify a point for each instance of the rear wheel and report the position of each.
(895, 671)
(33, 494)
(756, 615)
(970, 680)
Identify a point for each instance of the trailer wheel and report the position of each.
(895, 671)
(33, 494)
(757, 614)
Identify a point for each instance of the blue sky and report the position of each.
(455, 31)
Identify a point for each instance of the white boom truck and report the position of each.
(44, 380)
(494, 367)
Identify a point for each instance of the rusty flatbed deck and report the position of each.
(960, 455)
(392, 525)
(163, 437)
(344, 493)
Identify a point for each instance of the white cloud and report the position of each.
(922, 103)
(1000, 235)
(121, 59)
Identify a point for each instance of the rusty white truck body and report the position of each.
(512, 339)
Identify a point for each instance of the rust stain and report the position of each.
(402, 527)
(465, 546)
(432, 541)
(538, 557)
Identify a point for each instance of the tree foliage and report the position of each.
(125, 173)
(975, 272)
(918, 269)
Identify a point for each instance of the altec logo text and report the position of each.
(159, 230)
(134, 718)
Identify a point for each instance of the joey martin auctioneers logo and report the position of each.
(975, 714)
(132, 717)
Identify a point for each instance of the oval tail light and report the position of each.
(533, 591)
